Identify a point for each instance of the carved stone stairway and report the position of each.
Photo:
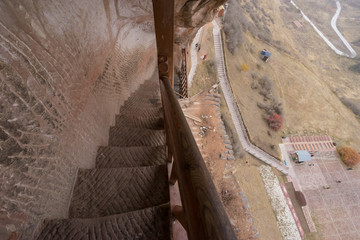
(127, 195)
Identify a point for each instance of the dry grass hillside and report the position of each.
(312, 86)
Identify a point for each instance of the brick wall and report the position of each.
(65, 70)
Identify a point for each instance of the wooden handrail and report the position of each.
(203, 211)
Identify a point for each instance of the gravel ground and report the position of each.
(283, 214)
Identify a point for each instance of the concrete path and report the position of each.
(194, 57)
(234, 111)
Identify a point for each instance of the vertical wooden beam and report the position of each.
(164, 29)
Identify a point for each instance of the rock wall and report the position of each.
(65, 70)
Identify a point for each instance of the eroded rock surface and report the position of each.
(65, 70)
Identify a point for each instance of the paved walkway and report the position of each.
(234, 111)
(194, 56)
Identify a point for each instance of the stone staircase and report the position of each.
(126, 196)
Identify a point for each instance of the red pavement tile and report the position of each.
(334, 237)
(333, 202)
(351, 236)
(353, 211)
(301, 146)
(316, 202)
(353, 174)
(344, 226)
(314, 146)
(328, 178)
(321, 215)
(328, 229)
(333, 166)
(311, 193)
(338, 213)
(344, 188)
(332, 192)
(339, 176)
(337, 237)
(349, 199)
(310, 147)
(322, 167)
(356, 186)
(356, 222)
(323, 146)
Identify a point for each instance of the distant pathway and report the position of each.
(193, 53)
(333, 24)
(234, 111)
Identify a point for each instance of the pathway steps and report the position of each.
(234, 111)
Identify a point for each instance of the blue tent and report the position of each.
(265, 53)
(304, 156)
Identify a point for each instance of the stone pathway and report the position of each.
(194, 56)
(234, 111)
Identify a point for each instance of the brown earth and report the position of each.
(240, 174)
(308, 79)
(211, 143)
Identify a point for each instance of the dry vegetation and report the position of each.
(349, 156)
(305, 82)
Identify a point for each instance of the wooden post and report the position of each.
(164, 28)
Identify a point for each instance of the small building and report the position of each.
(265, 55)
(303, 156)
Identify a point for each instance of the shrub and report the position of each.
(275, 121)
(234, 25)
(349, 156)
(245, 67)
(266, 82)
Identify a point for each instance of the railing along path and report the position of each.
(202, 213)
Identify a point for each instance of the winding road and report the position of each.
(333, 25)
(194, 58)
(234, 111)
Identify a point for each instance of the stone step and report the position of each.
(141, 111)
(147, 100)
(114, 157)
(131, 120)
(108, 191)
(150, 223)
(132, 137)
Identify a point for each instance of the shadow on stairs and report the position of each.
(127, 195)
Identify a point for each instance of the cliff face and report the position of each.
(65, 70)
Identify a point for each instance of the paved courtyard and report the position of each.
(333, 195)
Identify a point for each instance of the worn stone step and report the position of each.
(107, 191)
(115, 157)
(144, 100)
(141, 111)
(132, 120)
(150, 223)
(131, 137)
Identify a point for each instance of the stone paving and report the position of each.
(333, 195)
(234, 111)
